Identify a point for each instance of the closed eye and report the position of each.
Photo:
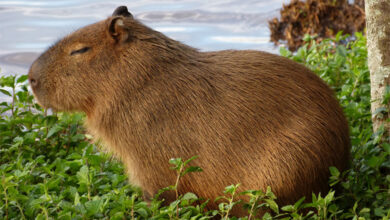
(80, 51)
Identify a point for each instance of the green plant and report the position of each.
(229, 201)
(344, 67)
(182, 207)
(182, 170)
(50, 168)
(259, 200)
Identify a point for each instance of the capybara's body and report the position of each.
(252, 118)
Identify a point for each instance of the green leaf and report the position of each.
(65, 216)
(22, 78)
(284, 52)
(269, 193)
(380, 212)
(189, 160)
(221, 206)
(364, 210)
(175, 161)
(230, 189)
(192, 170)
(7, 81)
(267, 216)
(299, 202)
(54, 130)
(95, 160)
(22, 96)
(82, 175)
(40, 216)
(189, 196)
(272, 204)
(219, 198)
(338, 36)
(374, 162)
(117, 216)
(93, 207)
(5, 92)
(18, 140)
(76, 199)
(341, 50)
(77, 137)
(288, 208)
(142, 212)
(386, 147)
(334, 171)
(329, 197)
(38, 201)
(307, 38)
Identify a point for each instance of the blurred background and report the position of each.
(28, 27)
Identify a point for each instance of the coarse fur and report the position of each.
(252, 117)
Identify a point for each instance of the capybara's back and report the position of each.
(252, 117)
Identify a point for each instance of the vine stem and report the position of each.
(176, 186)
(230, 205)
(89, 182)
(6, 203)
(132, 212)
(13, 101)
(251, 211)
(177, 181)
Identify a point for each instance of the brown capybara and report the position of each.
(252, 117)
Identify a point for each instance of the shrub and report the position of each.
(364, 190)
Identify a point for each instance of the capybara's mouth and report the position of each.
(42, 101)
(42, 104)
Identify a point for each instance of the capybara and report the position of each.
(252, 117)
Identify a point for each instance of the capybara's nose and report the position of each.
(33, 75)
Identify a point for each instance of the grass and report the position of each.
(50, 168)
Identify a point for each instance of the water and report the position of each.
(27, 28)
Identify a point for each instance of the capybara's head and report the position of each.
(87, 64)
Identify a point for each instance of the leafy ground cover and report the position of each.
(51, 169)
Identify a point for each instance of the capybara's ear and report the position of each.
(122, 11)
(117, 29)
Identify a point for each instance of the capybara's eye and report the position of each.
(82, 50)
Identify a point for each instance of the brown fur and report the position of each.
(252, 117)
